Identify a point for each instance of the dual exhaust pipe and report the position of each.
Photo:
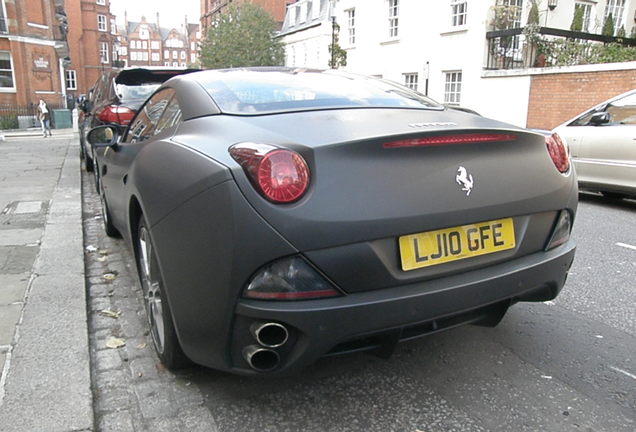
(269, 335)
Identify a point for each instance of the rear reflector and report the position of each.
(439, 140)
(289, 279)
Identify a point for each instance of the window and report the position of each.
(193, 58)
(453, 87)
(183, 64)
(175, 64)
(410, 80)
(144, 56)
(170, 117)
(71, 80)
(133, 56)
(133, 44)
(103, 52)
(144, 45)
(459, 12)
(6, 70)
(113, 26)
(155, 45)
(166, 54)
(143, 33)
(393, 18)
(183, 55)
(155, 56)
(166, 63)
(123, 51)
(115, 52)
(3, 18)
(351, 22)
(617, 9)
(175, 55)
(101, 2)
(101, 23)
(587, 13)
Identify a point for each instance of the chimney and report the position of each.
(158, 26)
(126, 21)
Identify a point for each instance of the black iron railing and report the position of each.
(21, 117)
(514, 48)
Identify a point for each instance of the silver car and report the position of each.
(602, 142)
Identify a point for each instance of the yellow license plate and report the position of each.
(452, 244)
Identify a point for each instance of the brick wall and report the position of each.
(555, 98)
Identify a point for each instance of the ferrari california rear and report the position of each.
(281, 215)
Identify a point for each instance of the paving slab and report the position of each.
(13, 287)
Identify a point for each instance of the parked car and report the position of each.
(279, 215)
(603, 145)
(116, 97)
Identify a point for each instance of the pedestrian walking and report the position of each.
(45, 118)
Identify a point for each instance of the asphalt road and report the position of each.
(564, 365)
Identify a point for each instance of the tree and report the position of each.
(533, 14)
(242, 36)
(577, 21)
(608, 26)
(337, 56)
(621, 32)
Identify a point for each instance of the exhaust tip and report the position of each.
(270, 334)
(261, 359)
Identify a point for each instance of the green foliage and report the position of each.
(613, 53)
(577, 21)
(337, 56)
(8, 122)
(621, 32)
(533, 14)
(608, 26)
(503, 16)
(242, 36)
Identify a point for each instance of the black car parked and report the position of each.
(116, 97)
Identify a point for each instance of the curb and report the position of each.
(49, 385)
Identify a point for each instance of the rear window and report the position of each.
(130, 92)
(249, 92)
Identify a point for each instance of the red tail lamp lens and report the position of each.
(280, 175)
(116, 114)
(558, 152)
(439, 140)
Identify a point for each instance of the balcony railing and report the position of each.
(514, 49)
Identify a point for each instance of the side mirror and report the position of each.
(103, 136)
(599, 118)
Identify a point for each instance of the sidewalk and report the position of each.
(33, 132)
(44, 359)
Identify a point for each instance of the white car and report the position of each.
(602, 143)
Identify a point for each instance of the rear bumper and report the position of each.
(320, 327)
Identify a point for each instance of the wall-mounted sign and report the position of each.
(40, 63)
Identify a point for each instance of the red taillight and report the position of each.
(558, 152)
(280, 175)
(116, 114)
(438, 140)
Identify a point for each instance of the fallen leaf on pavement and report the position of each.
(103, 251)
(141, 346)
(115, 342)
(109, 313)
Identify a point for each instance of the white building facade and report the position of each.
(438, 47)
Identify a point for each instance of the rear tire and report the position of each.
(164, 336)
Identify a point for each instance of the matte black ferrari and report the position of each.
(280, 215)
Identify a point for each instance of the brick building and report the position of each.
(148, 44)
(32, 52)
(212, 8)
(92, 42)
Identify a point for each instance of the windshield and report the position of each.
(128, 92)
(268, 91)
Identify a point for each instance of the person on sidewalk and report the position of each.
(45, 118)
